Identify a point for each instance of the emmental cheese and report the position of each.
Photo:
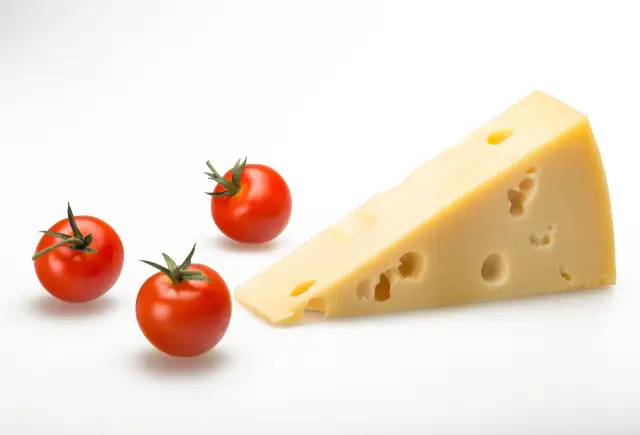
(519, 208)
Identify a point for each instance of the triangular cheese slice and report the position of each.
(519, 208)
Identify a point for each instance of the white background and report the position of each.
(116, 106)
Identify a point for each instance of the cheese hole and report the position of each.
(316, 304)
(494, 269)
(499, 136)
(524, 193)
(302, 288)
(382, 291)
(540, 241)
(527, 184)
(410, 265)
(516, 199)
(545, 239)
(564, 274)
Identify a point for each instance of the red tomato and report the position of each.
(79, 259)
(251, 203)
(183, 310)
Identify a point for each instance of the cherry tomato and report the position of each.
(79, 258)
(183, 310)
(251, 203)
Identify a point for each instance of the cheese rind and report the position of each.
(518, 208)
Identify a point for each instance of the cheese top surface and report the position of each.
(519, 207)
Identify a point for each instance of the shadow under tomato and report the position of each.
(47, 305)
(223, 242)
(157, 363)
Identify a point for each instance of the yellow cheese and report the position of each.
(519, 208)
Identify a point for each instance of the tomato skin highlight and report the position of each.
(259, 212)
(184, 319)
(75, 276)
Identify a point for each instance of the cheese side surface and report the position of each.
(519, 208)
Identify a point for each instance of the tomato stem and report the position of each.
(74, 242)
(72, 222)
(178, 273)
(77, 241)
(232, 186)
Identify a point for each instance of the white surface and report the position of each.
(116, 107)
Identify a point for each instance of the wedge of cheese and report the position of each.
(518, 208)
